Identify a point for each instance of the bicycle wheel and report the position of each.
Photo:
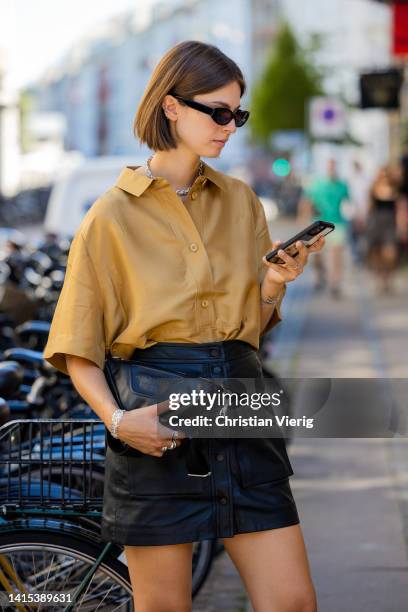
(203, 556)
(45, 561)
(48, 562)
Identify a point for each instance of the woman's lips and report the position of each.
(221, 143)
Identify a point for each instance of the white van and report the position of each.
(76, 189)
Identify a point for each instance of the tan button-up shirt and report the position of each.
(146, 267)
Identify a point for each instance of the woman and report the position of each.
(168, 268)
(383, 227)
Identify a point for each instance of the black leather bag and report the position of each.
(134, 385)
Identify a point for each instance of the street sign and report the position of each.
(327, 118)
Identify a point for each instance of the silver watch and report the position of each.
(116, 419)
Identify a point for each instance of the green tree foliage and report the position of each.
(289, 79)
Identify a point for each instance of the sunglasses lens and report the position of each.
(241, 117)
(222, 116)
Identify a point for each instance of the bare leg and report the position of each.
(319, 270)
(274, 568)
(161, 577)
(375, 260)
(389, 259)
(336, 266)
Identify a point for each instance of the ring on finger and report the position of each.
(172, 445)
(164, 448)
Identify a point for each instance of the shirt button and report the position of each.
(216, 369)
(220, 457)
(193, 247)
(214, 352)
(223, 501)
(204, 303)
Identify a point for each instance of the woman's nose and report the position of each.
(231, 126)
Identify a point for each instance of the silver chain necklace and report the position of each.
(180, 192)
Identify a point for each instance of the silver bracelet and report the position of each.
(268, 300)
(116, 419)
(273, 301)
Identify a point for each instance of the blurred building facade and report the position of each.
(98, 88)
(9, 114)
(98, 85)
(355, 37)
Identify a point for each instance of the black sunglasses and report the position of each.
(222, 116)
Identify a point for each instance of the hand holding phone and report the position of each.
(308, 236)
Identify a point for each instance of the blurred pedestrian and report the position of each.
(402, 210)
(404, 170)
(359, 186)
(323, 199)
(384, 226)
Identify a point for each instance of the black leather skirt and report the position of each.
(151, 501)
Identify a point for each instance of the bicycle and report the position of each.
(49, 529)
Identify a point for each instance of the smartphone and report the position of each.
(308, 236)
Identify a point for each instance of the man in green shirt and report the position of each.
(323, 199)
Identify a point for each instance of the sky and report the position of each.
(35, 33)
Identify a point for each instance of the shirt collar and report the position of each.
(136, 184)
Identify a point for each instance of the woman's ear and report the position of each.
(169, 107)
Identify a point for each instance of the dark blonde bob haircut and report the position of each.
(187, 69)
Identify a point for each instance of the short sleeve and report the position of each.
(263, 246)
(77, 327)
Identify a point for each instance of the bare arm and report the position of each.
(139, 428)
(267, 309)
(402, 217)
(266, 313)
(304, 211)
(370, 202)
(90, 382)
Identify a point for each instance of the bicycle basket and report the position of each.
(52, 464)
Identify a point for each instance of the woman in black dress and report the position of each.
(168, 268)
(383, 227)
